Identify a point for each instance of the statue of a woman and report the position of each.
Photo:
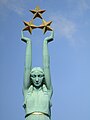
(37, 87)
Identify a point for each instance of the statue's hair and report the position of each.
(37, 69)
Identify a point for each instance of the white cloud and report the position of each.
(64, 27)
(79, 6)
(68, 27)
(83, 5)
(3, 1)
(14, 5)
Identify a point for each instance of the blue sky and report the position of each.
(69, 55)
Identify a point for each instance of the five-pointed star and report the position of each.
(29, 26)
(45, 26)
(37, 12)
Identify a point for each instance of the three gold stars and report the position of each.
(29, 26)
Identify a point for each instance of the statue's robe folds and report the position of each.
(38, 101)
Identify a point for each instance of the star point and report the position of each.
(37, 12)
(45, 26)
(29, 26)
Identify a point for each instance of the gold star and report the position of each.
(45, 26)
(29, 26)
(37, 12)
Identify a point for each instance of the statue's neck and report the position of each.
(37, 88)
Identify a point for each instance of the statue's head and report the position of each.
(37, 76)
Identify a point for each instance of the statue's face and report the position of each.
(37, 78)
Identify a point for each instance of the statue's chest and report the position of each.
(37, 99)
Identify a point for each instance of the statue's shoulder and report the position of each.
(30, 90)
(46, 91)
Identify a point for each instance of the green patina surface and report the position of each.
(37, 87)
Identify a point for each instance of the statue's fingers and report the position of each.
(52, 34)
(22, 34)
(24, 40)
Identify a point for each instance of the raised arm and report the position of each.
(46, 60)
(28, 62)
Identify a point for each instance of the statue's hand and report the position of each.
(24, 39)
(50, 38)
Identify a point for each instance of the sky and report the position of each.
(69, 56)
